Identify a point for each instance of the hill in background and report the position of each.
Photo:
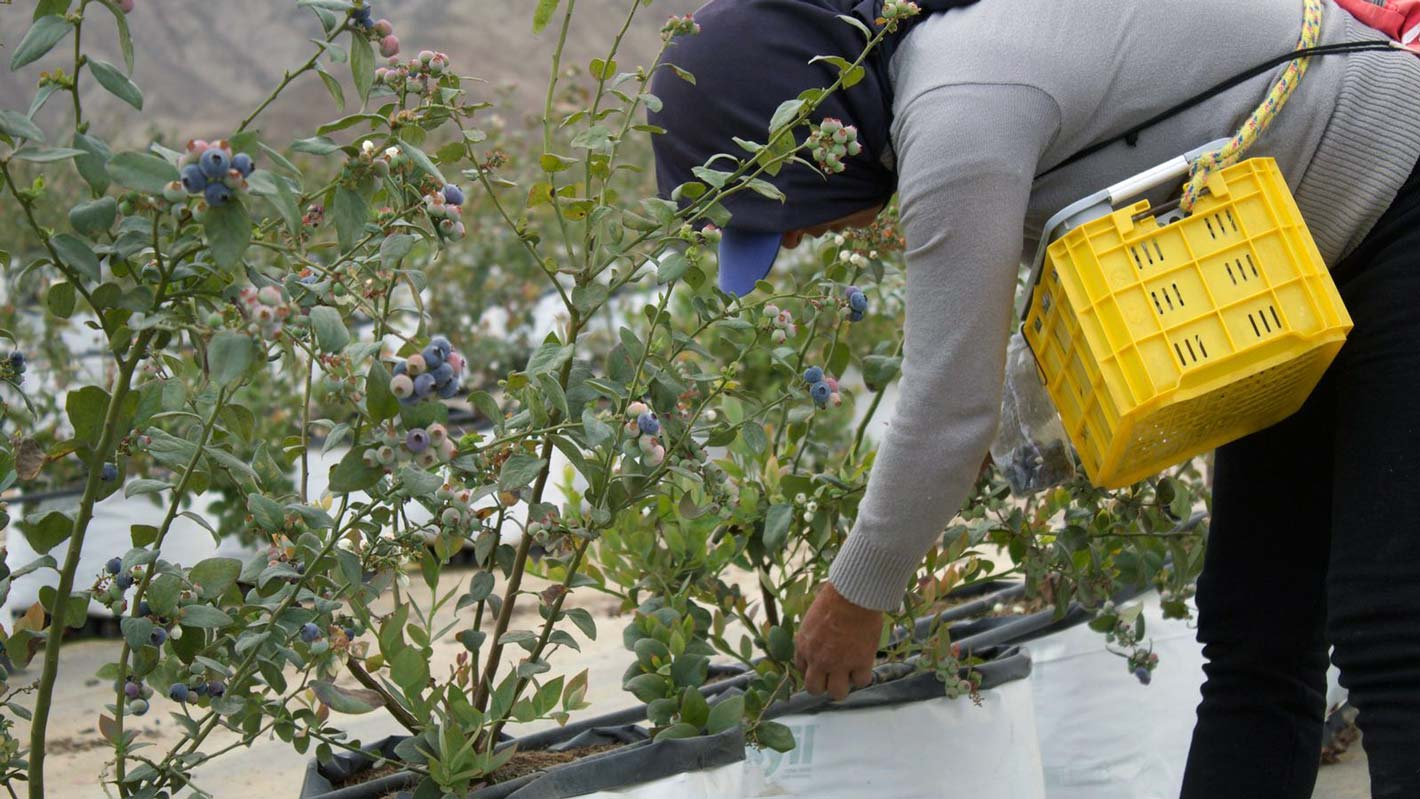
(204, 65)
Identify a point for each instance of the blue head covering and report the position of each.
(750, 56)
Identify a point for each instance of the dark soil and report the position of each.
(521, 765)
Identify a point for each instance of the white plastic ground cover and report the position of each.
(1103, 735)
(934, 749)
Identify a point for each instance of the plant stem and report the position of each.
(405, 719)
(44, 698)
(872, 411)
(306, 430)
(286, 81)
(79, 126)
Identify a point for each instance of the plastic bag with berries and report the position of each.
(1030, 446)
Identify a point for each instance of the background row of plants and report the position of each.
(658, 442)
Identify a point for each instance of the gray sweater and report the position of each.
(988, 97)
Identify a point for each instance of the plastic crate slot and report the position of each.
(1201, 348)
(1176, 293)
(1231, 220)
(1255, 331)
(1137, 261)
(1249, 263)
(1038, 324)
(1273, 309)
(1159, 250)
(1209, 222)
(1231, 276)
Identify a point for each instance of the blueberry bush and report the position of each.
(263, 304)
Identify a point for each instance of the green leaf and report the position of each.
(77, 255)
(228, 356)
(726, 714)
(694, 709)
(330, 328)
(548, 357)
(137, 631)
(142, 534)
(315, 145)
(353, 701)
(47, 533)
(228, 229)
(774, 735)
(351, 474)
(410, 670)
(93, 217)
(380, 403)
(92, 165)
(44, 34)
(215, 575)
(421, 160)
(333, 87)
(203, 616)
(519, 470)
(350, 213)
(678, 730)
(125, 39)
(162, 594)
(671, 267)
(776, 526)
(17, 125)
(541, 15)
(784, 114)
(647, 687)
(362, 64)
(266, 512)
(415, 482)
(879, 370)
(116, 82)
(142, 172)
(595, 429)
(140, 486)
(60, 299)
(394, 248)
(86, 408)
(46, 155)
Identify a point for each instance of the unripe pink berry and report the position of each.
(425, 56)
(415, 365)
(401, 386)
(126, 6)
(438, 434)
(269, 295)
(656, 455)
(383, 27)
(389, 46)
(635, 409)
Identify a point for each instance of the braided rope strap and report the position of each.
(1261, 117)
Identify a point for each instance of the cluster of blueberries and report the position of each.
(211, 170)
(138, 694)
(16, 361)
(857, 303)
(782, 323)
(428, 446)
(436, 370)
(822, 388)
(445, 207)
(645, 428)
(830, 142)
(382, 29)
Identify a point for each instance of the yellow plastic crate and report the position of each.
(1161, 336)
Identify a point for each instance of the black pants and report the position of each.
(1315, 540)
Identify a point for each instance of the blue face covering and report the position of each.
(750, 56)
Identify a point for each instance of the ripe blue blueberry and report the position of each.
(855, 316)
(178, 692)
(432, 357)
(813, 374)
(309, 632)
(442, 345)
(243, 164)
(417, 441)
(350, 633)
(449, 389)
(400, 368)
(1143, 675)
(200, 689)
(123, 580)
(193, 181)
(158, 637)
(17, 361)
(132, 689)
(648, 423)
(216, 194)
(820, 392)
(143, 609)
(424, 385)
(108, 473)
(114, 565)
(216, 688)
(453, 195)
(443, 374)
(857, 300)
(215, 162)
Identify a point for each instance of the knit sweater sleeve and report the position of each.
(966, 158)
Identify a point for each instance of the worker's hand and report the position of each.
(837, 644)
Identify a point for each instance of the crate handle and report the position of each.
(1103, 202)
